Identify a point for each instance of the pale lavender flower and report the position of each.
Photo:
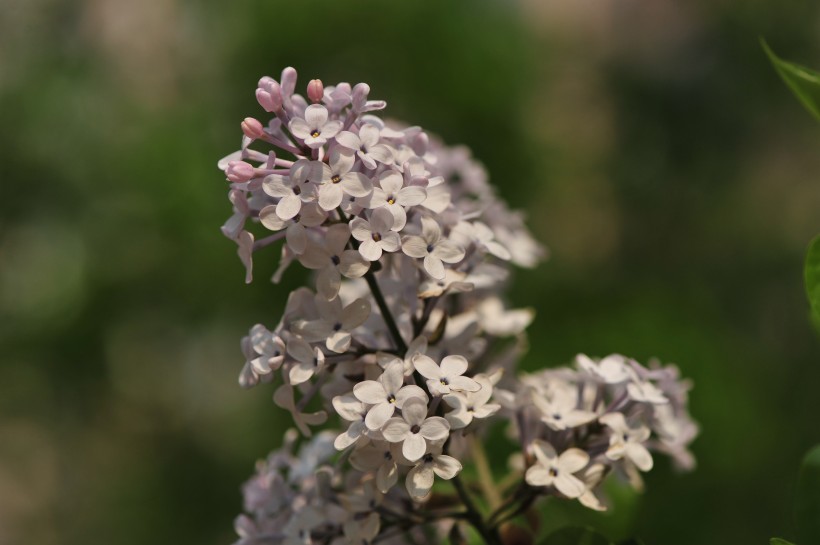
(377, 235)
(335, 323)
(447, 377)
(414, 429)
(557, 471)
(386, 394)
(315, 129)
(432, 247)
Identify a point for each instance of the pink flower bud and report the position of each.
(239, 171)
(315, 90)
(252, 128)
(269, 94)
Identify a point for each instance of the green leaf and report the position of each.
(573, 535)
(812, 277)
(804, 82)
(808, 498)
(778, 541)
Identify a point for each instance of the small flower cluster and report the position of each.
(405, 339)
(577, 425)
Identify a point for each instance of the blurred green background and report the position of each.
(670, 172)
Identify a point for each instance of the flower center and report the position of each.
(391, 398)
(391, 200)
(427, 458)
(315, 133)
(297, 190)
(377, 237)
(335, 259)
(443, 381)
(415, 428)
(336, 179)
(429, 248)
(553, 472)
(337, 326)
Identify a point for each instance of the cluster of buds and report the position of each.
(404, 344)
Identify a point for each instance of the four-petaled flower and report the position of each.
(550, 469)
(386, 394)
(335, 324)
(432, 247)
(448, 377)
(366, 145)
(420, 479)
(627, 442)
(315, 129)
(375, 236)
(414, 429)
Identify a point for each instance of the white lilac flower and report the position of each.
(269, 346)
(386, 394)
(556, 471)
(354, 411)
(296, 227)
(469, 405)
(447, 377)
(391, 195)
(434, 249)
(416, 346)
(335, 323)
(309, 361)
(414, 429)
(283, 397)
(295, 189)
(453, 282)
(627, 442)
(366, 145)
(242, 211)
(501, 322)
(610, 370)
(377, 235)
(298, 529)
(363, 522)
(337, 180)
(330, 256)
(378, 457)
(478, 233)
(560, 411)
(315, 129)
(592, 477)
(420, 479)
(645, 392)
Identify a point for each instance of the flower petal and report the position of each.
(370, 391)
(427, 367)
(446, 467)
(379, 415)
(454, 365)
(435, 428)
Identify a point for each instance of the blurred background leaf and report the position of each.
(804, 82)
(808, 499)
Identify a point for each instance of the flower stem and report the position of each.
(473, 516)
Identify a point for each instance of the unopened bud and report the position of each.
(315, 90)
(239, 171)
(269, 94)
(252, 128)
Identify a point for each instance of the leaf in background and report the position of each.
(804, 82)
(633, 541)
(575, 536)
(778, 541)
(808, 498)
(812, 277)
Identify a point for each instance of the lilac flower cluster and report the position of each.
(405, 339)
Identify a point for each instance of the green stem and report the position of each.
(473, 516)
